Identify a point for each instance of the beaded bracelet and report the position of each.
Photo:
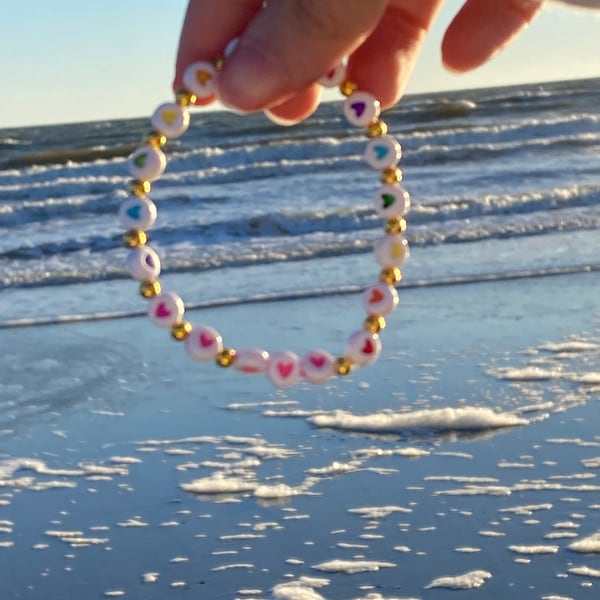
(203, 343)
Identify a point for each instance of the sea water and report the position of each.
(465, 459)
(503, 181)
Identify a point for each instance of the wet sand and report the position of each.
(471, 447)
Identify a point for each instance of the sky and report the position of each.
(66, 61)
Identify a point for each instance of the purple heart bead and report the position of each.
(359, 108)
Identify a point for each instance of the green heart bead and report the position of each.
(388, 200)
(140, 160)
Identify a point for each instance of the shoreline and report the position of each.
(112, 424)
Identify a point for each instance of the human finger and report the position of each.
(482, 28)
(206, 31)
(383, 63)
(296, 108)
(289, 44)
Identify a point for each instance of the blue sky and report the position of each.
(73, 60)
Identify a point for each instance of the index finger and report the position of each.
(207, 29)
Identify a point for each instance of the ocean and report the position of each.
(503, 182)
(465, 459)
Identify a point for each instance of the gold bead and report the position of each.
(342, 365)
(391, 175)
(390, 275)
(376, 128)
(134, 238)
(374, 324)
(226, 357)
(150, 289)
(139, 188)
(155, 139)
(395, 226)
(181, 330)
(185, 98)
(348, 87)
(218, 62)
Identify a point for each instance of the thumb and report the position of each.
(289, 45)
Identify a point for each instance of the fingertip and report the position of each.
(482, 28)
(250, 81)
(297, 108)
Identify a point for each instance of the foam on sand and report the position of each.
(468, 418)
(219, 483)
(587, 545)
(466, 581)
(300, 589)
(352, 566)
(534, 549)
(585, 571)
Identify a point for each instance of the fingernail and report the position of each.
(280, 120)
(249, 81)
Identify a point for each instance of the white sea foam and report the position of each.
(276, 491)
(373, 452)
(585, 571)
(466, 581)
(560, 535)
(376, 513)
(590, 544)
(352, 566)
(534, 549)
(335, 468)
(219, 483)
(525, 373)
(133, 522)
(569, 346)
(526, 509)
(442, 419)
(477, 490)
(461, 479)
(300, 589)
(233, 566)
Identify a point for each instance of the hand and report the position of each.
(285, 47)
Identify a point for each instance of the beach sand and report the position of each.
(109, 434)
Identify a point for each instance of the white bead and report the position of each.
(137, 213)
(380, 299)
(360, 108)
(166, 309)
(147, 163)
(203, 343)
(317, 366)
(334, 76)
(391, 250)
(170, 119)
(251, 360)
(391, 201)
(284, 369)
(143, 263)
(382, 152)
(200, 79)
(363, 347)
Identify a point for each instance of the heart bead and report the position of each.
(166, 309)
(204, 343)
(284, 369)
(317, 366)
